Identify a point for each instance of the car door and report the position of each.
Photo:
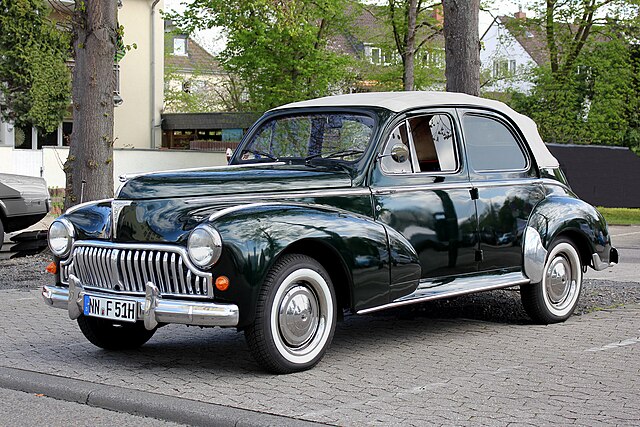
(426, 198)
(505, 179)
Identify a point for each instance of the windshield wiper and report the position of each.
(336, 154)
(259, 153)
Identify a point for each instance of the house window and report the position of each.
(23, 137)
(31, 138)
(48, 139)
(67, 128)
(434, 57)
(180, 46)
(376, 54)
(504, 67)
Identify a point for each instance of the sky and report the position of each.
(213, 41)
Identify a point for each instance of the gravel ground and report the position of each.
(503, 306)
(25, 273)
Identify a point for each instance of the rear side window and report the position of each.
(491, 146)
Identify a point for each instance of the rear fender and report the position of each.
(570, 217)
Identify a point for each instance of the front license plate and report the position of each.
(109, 308)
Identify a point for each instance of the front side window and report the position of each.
(332, 135)
(429, 139)
(398, 136)
(434, 143)
(491, 146)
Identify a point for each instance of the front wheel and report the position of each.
(295, 316)
(112, 335)
(555, 298)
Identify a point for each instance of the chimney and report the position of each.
(437, 15)
(520, 14)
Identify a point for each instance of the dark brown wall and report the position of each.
(600, 175)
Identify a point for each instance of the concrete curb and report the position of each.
(136, 402)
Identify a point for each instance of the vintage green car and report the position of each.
(355, 202)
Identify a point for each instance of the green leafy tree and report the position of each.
(276, 48)
(35, 82)
(588, 91)
(596, 104)
(412, 54)
(413, 26)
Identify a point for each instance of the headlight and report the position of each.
(61, 236)
(204, 246)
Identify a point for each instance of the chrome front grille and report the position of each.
(126, 268)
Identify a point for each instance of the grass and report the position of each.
(621, 216)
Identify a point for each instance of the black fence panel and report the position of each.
(601, 175)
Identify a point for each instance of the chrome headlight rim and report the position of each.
(216, 246)
(71, 235)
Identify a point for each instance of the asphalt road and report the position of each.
(627, 240)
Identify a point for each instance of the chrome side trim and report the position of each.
(455, 185)
(157, 310)
(82, 205)
(236, 208)
(535, 255)
(289, 196)
(429, 290)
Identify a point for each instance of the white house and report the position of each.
(509, 51)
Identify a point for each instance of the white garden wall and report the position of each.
(48, 162)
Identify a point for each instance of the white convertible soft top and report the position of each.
(402, 101)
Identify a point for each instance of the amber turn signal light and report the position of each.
(52, 268)
(222, 283)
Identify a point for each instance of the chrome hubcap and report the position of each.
(559, 280)
(298, 316)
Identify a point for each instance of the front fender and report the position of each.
(564, 215)
(254, 236)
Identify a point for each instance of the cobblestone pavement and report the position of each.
(396, 368)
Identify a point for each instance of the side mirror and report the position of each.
(399, 153)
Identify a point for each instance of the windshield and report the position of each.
(341, 136)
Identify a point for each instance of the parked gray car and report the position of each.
(24, 200)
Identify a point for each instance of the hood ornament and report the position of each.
(116, 209)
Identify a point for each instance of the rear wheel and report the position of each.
(112, 335)
(295, 316)
(555, 297)
(1, 233)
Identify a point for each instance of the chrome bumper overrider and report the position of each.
(152, 308)
(599, 265)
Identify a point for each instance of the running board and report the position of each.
(432, 290)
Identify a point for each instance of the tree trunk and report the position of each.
(410, 46)
(462, 46)
(91, 152)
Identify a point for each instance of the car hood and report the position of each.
(20, 186)
(164, 207)
(230, 180)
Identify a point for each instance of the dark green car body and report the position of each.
(385, 239)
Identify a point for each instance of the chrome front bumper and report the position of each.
(151, 308)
